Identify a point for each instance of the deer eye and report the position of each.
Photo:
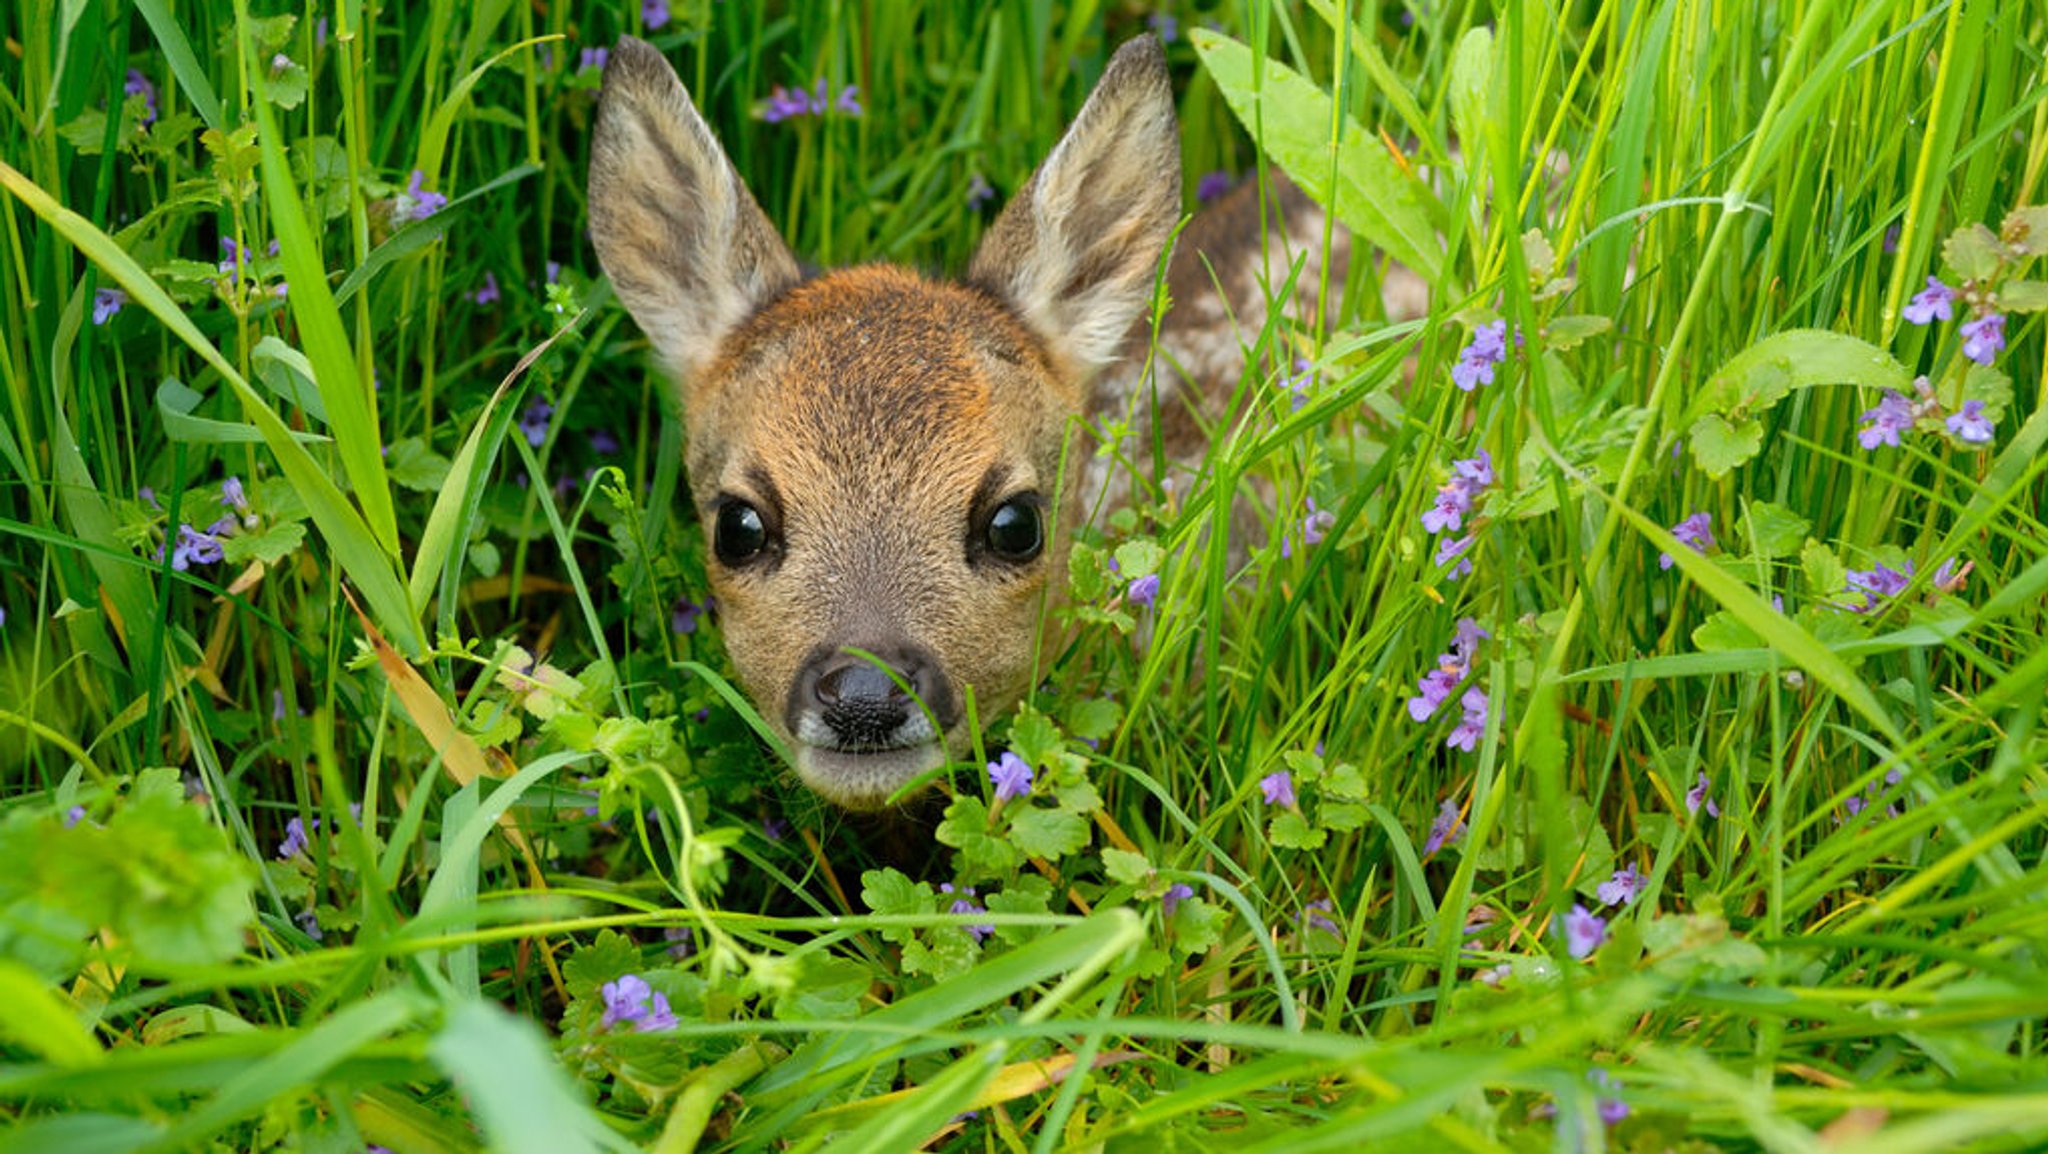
(1015, 532)
(740, 535)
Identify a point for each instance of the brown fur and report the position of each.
(875, 419)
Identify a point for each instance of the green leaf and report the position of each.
(1030, 894)
(1773, 530)
(2023, 296)
(1723, 632)
(1825, 574)
(1290, 118)
(284, 87)
(521, 1096)
(1290, 830)
(1049, 834)
(1973, 252)
(1197, 926)
(2026, 229)
(417, 466)
(1759, 376)
(1035, 738)
(1344, 781)
(1140, 558)
(1719, 447)
(1125, 867)
(1573, 330)
(270, 546)
(1538, 256)
(1471, 83)
(982, 854)
(1093, 718)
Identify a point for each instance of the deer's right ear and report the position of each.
(685, 246)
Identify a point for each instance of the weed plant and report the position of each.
(1623, 729)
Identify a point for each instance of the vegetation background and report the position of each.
(369, 779)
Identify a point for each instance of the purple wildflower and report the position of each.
(105, 303)
(774, 828)
(1698, 795)
(682, 941)
(1165, 25)
(1316, 524)
(1584, 930)
(1213, 185)
(848, 101)
(961, 905)
(781, 105)
(1475, 471)
(320, 34)
(309, 924)
(534, 422)
(603, 442)
(1451, 551)
(592, 60)
(1298, 387)
(625, 1000)
(1175, 894)
(1278, 787)
(1465, 639)
(489, 293)
(1984, 337)
(1435, 689)
(73, 816)
(1452, 503)
(1472, 726)
(1969, 424)
(139, 85)
(416, 203)
(279, 64)
(195, 547)
(1621, 889)
(1949, 578)
(1449, 824)
(1611, 1108)
(1488, 347)
(233, 495)
(979, 191)
(1696, 531)
(295, 840)
(658, 1016)
(1892, 416)
(1011, 775)
(1144, 591)
(1936, 302)
(1316, 917)
(684, 618)
(1878, 583)
(654, 14)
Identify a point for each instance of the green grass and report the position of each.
(1707, 282)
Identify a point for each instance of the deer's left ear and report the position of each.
(1076, 250)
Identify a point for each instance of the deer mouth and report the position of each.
(865, 778)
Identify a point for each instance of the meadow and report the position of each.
(1623, 730)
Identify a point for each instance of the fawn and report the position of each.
(876, 455)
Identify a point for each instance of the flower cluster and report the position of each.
(1897, 414)
(1623, 888)
(416, 203)
(793, 103)
(1278, 788)
(1454, 498)
(105, 303)
(683, 618)
(1698, 795)
(631, 999)
(1451, 671)
(963, 904)
(1857, 803)
(139, 85)
(1448, 827)
(1314, 527)
(1878, 584)
(1983, 334)
(1487, 348)
(654, 14)
(1696, 531)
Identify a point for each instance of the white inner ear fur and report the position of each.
(1098, 214)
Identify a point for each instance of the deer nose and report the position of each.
(866, 706)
